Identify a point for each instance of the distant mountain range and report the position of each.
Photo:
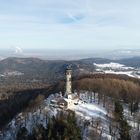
(68, 54)
(34, 69)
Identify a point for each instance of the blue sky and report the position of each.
(70, 24)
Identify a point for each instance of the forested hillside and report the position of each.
(37, 70)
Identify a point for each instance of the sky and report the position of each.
(70, 24)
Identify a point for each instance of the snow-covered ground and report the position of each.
(113, 66)
(89, 110)
(129, 73)
(116, 68)
(11, 73)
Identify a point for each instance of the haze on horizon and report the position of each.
(73, 24)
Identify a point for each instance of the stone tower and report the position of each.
(68, 81)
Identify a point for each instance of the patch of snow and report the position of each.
(89, 110)
(129, 73)
(116, 68)
(112, 65)
(13, 73)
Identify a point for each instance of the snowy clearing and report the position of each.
(113, 66)
(116, 68)
(89, 110)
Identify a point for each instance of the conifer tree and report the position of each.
(124, 128)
